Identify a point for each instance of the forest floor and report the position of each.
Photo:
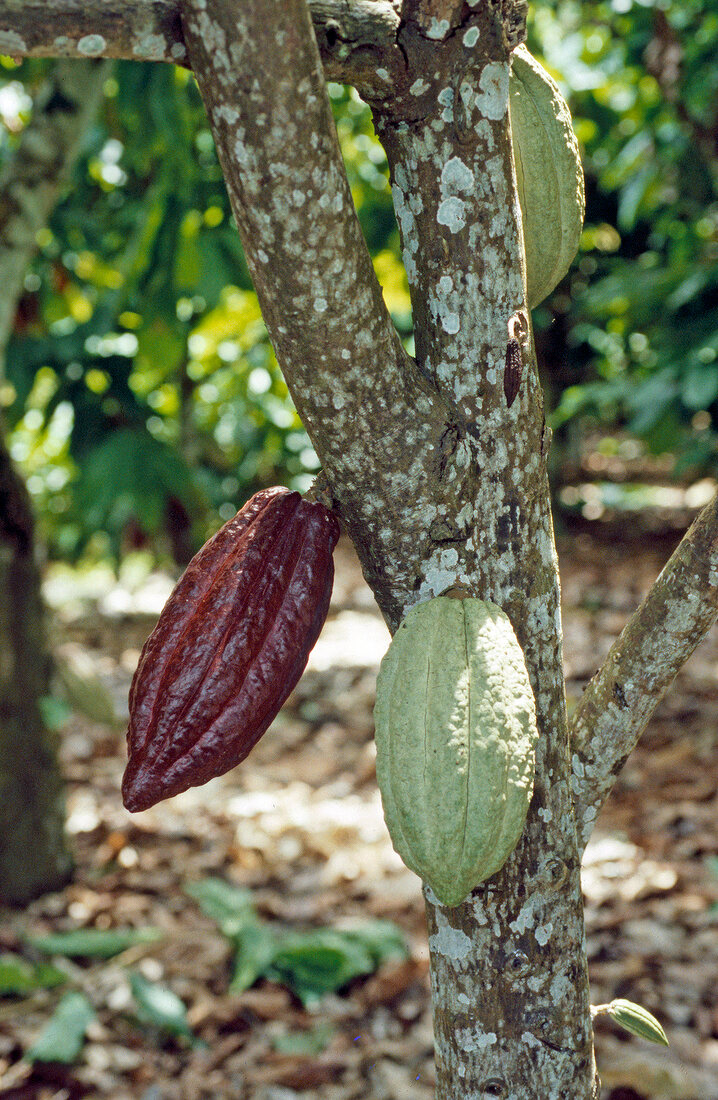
(299, 824)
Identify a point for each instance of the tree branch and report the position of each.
(357, 38)
(373, 422)
(437, 484)
(658, 639)
(434, 19)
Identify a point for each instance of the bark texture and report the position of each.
(357, 39)
(435, 465)
(658, 639)
(33, 855)
(438, 482)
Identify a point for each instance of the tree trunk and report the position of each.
(33, 855)
(439, 480)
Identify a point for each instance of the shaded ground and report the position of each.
(300, 824)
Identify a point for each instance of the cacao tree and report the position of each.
(435, 464)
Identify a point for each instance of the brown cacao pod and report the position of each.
(231, 643)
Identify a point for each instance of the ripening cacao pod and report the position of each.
(455, 740)
(549, 175)
(231, 643)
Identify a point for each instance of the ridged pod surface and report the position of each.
(549, 175)
(230, 645)
(455, 740)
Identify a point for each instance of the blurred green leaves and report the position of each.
(311, 963)
(138, 345)
(159, 1007)
(640, 313)
(92, 943)
(64, 1036)
(19, 977)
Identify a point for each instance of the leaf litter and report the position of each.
(265, 987)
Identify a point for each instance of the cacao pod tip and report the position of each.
(135, 796)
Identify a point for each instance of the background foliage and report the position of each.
(638, 319)
(143, 397)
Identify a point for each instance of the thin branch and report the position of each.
(357, 38)
(658, 639)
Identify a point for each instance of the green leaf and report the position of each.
(230, 906)
(18, 977)
(309, 963)
(131, 475)
(256, 947)
(639, 1021)
(382, 939)
(83, 688)
(93, 943)
(158, 1006)
(699, 385)
(63, 1038)
(314, 963)
(305, 1043)
(54, 712)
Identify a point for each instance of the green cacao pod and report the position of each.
(549, 176)
(455, 739)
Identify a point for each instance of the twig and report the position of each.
(658, 639)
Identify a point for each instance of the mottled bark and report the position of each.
(357, 38)
(379, 427)
(438, 482)
(437, 474)
(508, 967)
(33, 856)
(658, 639)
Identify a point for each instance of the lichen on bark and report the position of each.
(413, 448)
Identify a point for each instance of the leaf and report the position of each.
(381, 938)
(309, 963)
(63, 1038)
(54, 712)
(84, 690)
(93, 943)
(160, 1007)
(305, 1043)
(256, 947)
(638, 1020)
(131, 475)
(314, 963)
(233, 910)
(699, 385)
(230, 906)
(18, 977)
